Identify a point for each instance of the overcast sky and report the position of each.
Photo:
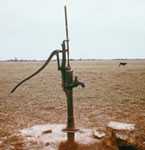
(98, 28)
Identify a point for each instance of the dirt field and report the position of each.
(111, 93)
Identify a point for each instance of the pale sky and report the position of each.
(97, 28)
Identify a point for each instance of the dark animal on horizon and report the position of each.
(122, 64)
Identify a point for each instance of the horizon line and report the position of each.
(71, 59)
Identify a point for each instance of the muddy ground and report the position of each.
(111, 93)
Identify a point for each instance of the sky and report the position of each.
(98, 29)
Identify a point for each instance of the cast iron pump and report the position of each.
(68, 81)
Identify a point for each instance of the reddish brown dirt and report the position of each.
(111, 93)
(108, 143)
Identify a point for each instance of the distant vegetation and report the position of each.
(15, 59)
(21, 60)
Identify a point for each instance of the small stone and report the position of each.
(47, 144)
(47, 131)
(98, 134)
(32, 140)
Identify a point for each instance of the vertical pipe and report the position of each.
(68, 73)
(67, 36)
(70, 113)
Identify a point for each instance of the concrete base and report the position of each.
(51, 137)
(116, 136)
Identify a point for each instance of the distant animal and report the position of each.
(122, 64)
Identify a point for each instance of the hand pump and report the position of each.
(68, 81)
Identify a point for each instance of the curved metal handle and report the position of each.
(55, 52)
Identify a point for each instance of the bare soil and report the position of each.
(111, 93)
